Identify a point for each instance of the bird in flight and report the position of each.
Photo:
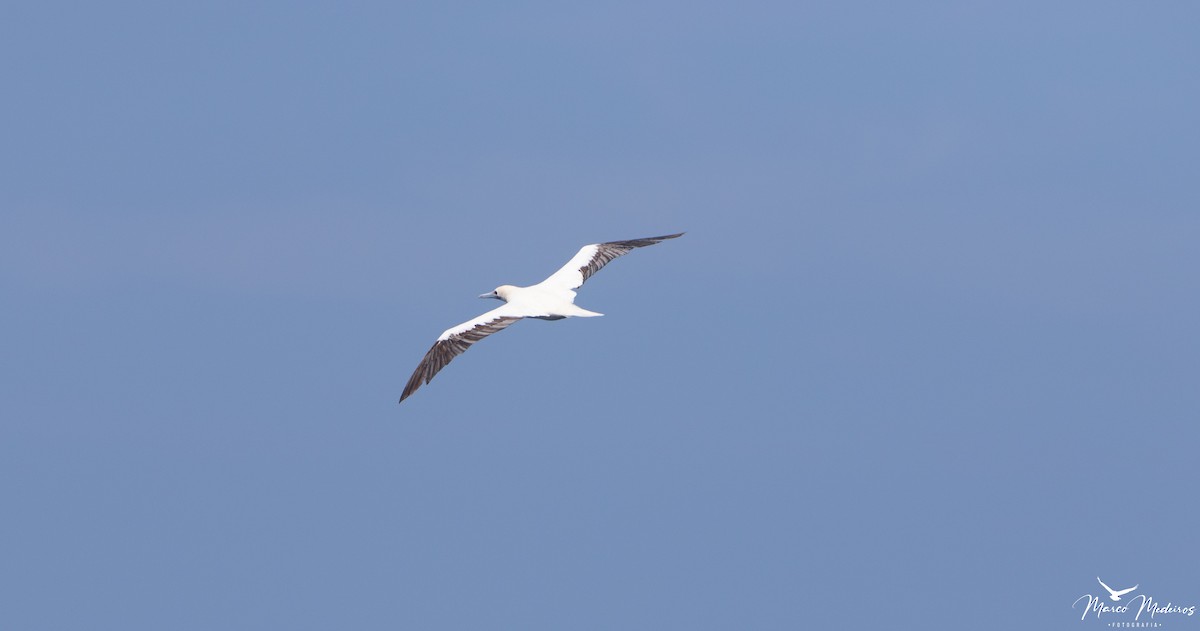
(1115, 595)
(551, 299)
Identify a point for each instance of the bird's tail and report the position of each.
(580, 312)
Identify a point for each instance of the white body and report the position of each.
(536, 301)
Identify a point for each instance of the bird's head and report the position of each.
(499, 293)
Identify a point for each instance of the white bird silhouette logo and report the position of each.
(1116, 595)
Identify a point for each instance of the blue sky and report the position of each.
(926, 356)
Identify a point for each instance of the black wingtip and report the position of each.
(643, 242)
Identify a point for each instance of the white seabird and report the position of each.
(551, 299)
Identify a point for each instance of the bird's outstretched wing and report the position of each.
(455, 341)
(591, 258)
(1110, 590)
(1125, 591)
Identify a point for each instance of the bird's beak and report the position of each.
(487, 295)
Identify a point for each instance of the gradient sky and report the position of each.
(927, 356)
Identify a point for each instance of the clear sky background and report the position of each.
(926, 357)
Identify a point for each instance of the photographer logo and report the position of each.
(1137, 611)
